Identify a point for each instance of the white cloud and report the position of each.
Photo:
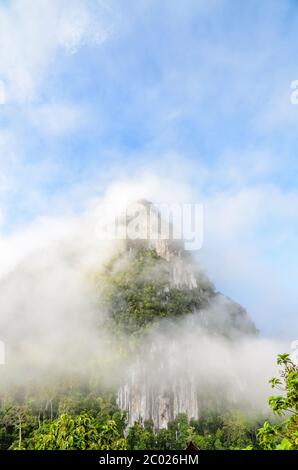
(34, 36)
(278, 110)
(7, 159)
(32, 32)
(78, 26)
(2, 93)
(57, 119)
(40, 234)
(250, 238)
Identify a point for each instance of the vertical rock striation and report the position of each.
(154, 389)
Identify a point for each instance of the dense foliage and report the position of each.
(73, 421)
(82, 432)
(283, 435)
(89, 422)
(211, 432)
(136, 292)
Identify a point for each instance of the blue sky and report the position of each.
(196, 93)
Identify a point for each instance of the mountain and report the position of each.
(147, 290)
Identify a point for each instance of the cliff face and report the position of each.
(145, 399)
(154, 280)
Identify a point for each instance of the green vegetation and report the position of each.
(136, 293)
(88, 420)
(76, 421)
(81, 432)
(211, 432)
(284, 435)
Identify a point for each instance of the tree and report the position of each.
(20, 418)
(83, 432)
(284, 435)
(138, 295)
(141, 437)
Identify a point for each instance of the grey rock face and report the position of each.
(145, 395)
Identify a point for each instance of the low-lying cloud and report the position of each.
(50, 321)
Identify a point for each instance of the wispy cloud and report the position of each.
(56, 119)
(194, 94)
(33, 33)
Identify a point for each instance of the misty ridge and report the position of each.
(54, 325)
